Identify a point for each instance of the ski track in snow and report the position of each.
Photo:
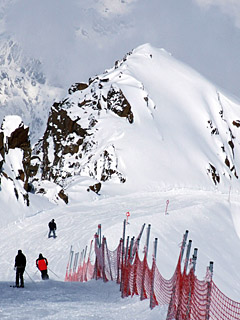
(58, 300)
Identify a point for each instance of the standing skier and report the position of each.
(41, 264)
(52, 228)
(20, 264)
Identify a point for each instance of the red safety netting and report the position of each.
(187, 297)
(222, 307)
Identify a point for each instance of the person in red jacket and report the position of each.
(41, 264)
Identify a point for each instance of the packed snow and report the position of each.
(210, 217)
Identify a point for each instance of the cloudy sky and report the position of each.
(76, 39)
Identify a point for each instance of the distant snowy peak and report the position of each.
(23, 87)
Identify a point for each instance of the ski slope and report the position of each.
(211, 218)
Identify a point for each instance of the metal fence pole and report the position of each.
(123, 249)
(99, 234)
(184, 243)
(143, 296)
(152, 302)
(131, 250)
(109, 263)
(187, 254)
(209, 291)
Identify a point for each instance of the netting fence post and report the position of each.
(126, 252)
(131, 250)
(99, 235)
(68, 265)
(88, 261)
(103, 259)
(122, 262)
(175, 301)
(96, 259)
(143, 293)
(184, 244)
(119, 262)
(209, 289)
(136, 247)
(75, 264)
(71, 259)
(153, 301)
(109, 263)
(191, 284)
(188, 254)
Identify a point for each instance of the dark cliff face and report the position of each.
(17, 140)
(70, 144)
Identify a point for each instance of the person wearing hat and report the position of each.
(20, 264)
(41, 264)
(52, 228)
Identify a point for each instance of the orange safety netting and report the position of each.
(187, 297)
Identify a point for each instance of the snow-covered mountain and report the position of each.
(24, 89)
(147, 132)
(149, 123)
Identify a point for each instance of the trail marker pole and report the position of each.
(128, 215)
(167, 203)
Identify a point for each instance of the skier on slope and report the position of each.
(41, 264)
(52, 228)
(20, 264)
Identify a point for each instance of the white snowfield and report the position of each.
(164, 156)
(210, 218)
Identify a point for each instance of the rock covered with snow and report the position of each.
(15, 163)
(149, 123)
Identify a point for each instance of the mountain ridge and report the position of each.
(148, 123)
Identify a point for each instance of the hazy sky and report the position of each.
(76, 39)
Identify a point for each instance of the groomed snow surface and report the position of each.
(212, 219)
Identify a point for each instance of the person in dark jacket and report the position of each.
(42, 264)
(52, 228)
(20, 264)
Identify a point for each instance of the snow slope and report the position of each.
(209, 217)
(184, 124)
(161, 124)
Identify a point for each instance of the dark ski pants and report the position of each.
(19, 275)
(44, 274)
(50, 232)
